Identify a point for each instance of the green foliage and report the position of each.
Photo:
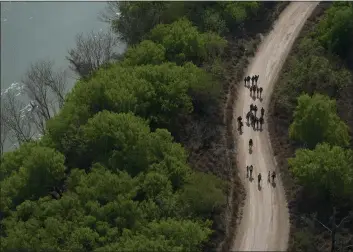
(124, 141)
(167, 235)
(159, 93)
(237, 12)
(309, 71)
(99, 213)
(199, 203)
(12, 161)
(108, 138)
(36, 170)
(136, 19)
(326, 169)
(217, 69)
(213, 21)
(316, 120)
(183, 42)
(335, 30)
(147, 52)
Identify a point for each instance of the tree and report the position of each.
(12, 161)
(40, 170)
(155, 184)
(159, 93)
(235, 13)
(46, 88)
(117, 140)
(85, 218)
(92, 51)
(133, 20)
(193, 196)
(147, 52)
(177, 235)
(14, 120)
(336, 29)
(101, 211)
(316, 120)
(183, 42)
(124, 141)
(326, 169)
(4, 135)
(213, 21)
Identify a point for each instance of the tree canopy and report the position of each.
(336, 28)
(136, 19)
(29, 173)
(146, 52)
(183, 42)
(100, 213)
(326, 168)
(159, 93)
(316, 120)
(138, 193)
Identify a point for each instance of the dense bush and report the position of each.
(100, 213)
(136, 19)
(159, 93)
(147, 52)
(327, 170)
(142, 195)
(316, 120)
(183, 42)
(336, 29)
(34, 171)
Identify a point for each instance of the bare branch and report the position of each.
(110, 13)
(44, 86)
(345, 219)
(4, 134)
(91, 52)
(58, 86)
(46, 89)
(322, 224)
(14, 119)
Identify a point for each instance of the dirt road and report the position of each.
(265, 220)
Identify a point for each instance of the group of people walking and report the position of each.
(253, 87)
(254, 121)
(249, 170)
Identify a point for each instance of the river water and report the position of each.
(42, 30)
